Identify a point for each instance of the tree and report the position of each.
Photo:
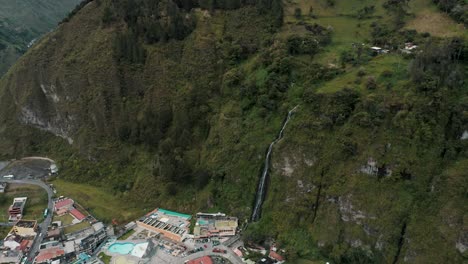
(298, 13)
(107, 15)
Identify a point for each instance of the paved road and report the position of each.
(45, 224)
(230, 255)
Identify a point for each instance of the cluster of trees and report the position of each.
(300, 44)
(127, 48)
(358, 55)
(309, 43)
(457, 9)
(398, 10)
(155, 20)
(75, 10)
(365, 12)
(439, 64)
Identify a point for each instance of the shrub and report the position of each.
(371, 83)
(298, 13)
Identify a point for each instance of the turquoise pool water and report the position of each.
(172, 213)
(202, 222)
(121, 248)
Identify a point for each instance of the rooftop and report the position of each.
(173, 222)
(49, 253)
(63, 203)
(77, 214)
(215, 224)
(202, 260)
(26, 223)
(275, 255)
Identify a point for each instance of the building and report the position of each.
(25, 228)
(62, 206)
(77, 214)
(49, 255)
(217, 225)
(53, 234)
(202, 260)
(15, 211)
(274, 255)
(87, 240)
(10, 256)
(170, 224)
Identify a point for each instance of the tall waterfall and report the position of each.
(266, 165)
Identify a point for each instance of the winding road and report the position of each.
(45, 224)
(230, 255)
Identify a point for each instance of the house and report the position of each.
(274, 255)
(77, 214)
(10, 256)
(202, 260)
(11, 242)
(49, 255)
(62, 206)
(15, 211)
(53, 234)
(379, 50)
(25, 228)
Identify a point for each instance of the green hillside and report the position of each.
(22, 21)
(173, 104)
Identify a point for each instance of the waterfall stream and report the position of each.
(261, 185)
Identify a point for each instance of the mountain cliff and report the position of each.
(23, 21)
(174, 103)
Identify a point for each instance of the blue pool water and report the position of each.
(121, 248)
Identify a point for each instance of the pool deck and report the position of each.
(125, 258)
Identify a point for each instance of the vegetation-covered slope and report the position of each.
(22, 21)
(173, 104)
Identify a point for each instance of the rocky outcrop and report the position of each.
(349, 213)
(462, 243)
(57, 125)
(371, 168)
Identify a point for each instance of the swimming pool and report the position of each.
(121, 248)
(128, 248)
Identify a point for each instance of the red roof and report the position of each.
(24, 244)
(202, 260)
(63, 203)
(276, 256)
(50, 253)
(77, 214)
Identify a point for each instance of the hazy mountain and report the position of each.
(23, 21)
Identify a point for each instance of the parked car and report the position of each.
(218, 250)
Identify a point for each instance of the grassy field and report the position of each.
(378, 65)
(77, 227)
(4, 231)
(100, 203)
(127, 235)
(105, 258)
(65, 219)
(428, 19)
(35, 205)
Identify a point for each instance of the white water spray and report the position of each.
(261, 185)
